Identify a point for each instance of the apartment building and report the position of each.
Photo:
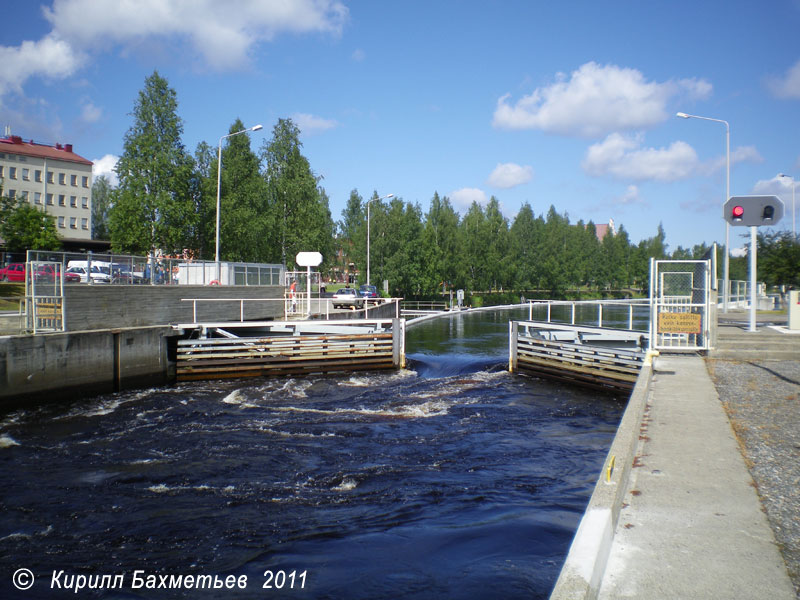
(53, 179)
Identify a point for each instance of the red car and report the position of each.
(13, 272)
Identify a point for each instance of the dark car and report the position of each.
(368, 291)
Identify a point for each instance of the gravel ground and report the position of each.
(762, 400)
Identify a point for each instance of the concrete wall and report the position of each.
(90, 307)
(583, 570)
(79, 364)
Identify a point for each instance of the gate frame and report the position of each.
(702, 340)
(44, 313)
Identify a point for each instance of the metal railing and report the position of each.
(630, 315)
(126, 269)
(424, 305)
(297, 307)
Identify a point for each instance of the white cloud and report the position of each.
(91, 113)
(631, 196)
(509, 175)
(221, 34)
(310, 124)
(787, 86)
(596, 100)
(738, 155)
(50, 57)
(462, 199)
(624, 158)
(105, 166)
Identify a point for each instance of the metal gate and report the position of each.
(44, 297)
(680, 293)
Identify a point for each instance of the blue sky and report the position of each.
(564, 103)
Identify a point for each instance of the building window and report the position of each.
(22, 159)
(73, 201)
(61, 222)
(85, 202)
(50, 177)
(85, 181)
(37, 197)
(12, 172)
(73, 180)
(62, 179)
(73, 223)
(62, 200)
(38, 176)
(2, 174)
(84, 223)
(26, 174)
(12, 194)
(24, 195)
(49, 199)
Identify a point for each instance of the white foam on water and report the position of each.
(6, 441)
(348, 484)
(158, 489)
(236, 397)
(432, 408)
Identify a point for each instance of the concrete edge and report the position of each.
(585, 564)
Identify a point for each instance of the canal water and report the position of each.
(449, 479)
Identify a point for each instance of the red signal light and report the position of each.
(737, 212)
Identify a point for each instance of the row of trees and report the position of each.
(272, 206)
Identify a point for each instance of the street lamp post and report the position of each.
(794, 231)
(726, 263)
(368, 201)
(219, 179)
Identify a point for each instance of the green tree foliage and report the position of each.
(24, 227)
(101, 208)
(246, 223)
(778, 258)
(153, 205)
(439, 247)
(301, 218)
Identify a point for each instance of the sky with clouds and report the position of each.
(565, 103)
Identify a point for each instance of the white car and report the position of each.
(99, 274)
(347, 297)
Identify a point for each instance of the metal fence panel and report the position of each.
(680, 293)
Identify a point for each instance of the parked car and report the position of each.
(70, 277)
(121, 273)
(13, 272)
(347, 297)
(99, 275)
(368, 291)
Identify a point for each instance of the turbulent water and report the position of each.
(450, 479)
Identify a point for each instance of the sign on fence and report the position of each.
(671, 322)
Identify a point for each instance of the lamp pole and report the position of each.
(368, 201)
(219, 179)
(726, 262)
(794, 231)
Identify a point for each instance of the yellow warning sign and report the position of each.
(48, 310)
(672, 322)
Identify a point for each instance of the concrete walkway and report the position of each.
(691, 524)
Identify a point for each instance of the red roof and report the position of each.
(15, 145)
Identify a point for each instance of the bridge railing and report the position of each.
(630, 315)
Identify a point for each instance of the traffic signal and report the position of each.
(753, 211)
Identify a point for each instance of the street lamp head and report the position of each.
(389, 196)
(256, 127)
(683, 115)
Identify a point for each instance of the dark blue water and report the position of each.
(450, 479)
